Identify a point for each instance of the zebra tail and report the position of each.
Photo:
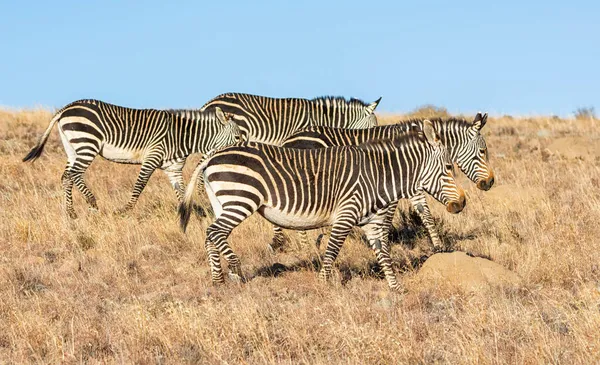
(39, 148)
(185, 206)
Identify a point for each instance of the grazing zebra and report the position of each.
(463, 139)
(274, 120)
(153, 138)
(305, 189)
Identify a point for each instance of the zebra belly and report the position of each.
(291, 220)
(122, 155)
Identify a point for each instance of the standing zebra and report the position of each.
(463, 139)
(153, 138)
(274, 120)
(305, 189)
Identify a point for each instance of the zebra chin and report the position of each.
(456, 206)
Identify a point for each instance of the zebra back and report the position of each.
(272, 120)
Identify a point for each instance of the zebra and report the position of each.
(153, 138)
(274, 120)
(464, 141)
(341, 186)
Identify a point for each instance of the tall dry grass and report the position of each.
(111, 289)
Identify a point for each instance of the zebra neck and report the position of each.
(196, 142)
(399, 175)
(452, 134)
(191, 135)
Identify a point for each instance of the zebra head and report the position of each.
(438, 180)
(229, 133)
(471, 156)
(368, 119)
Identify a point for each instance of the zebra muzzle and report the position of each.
(486, 184)
(457, 206)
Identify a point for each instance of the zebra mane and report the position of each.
(439, 121)
(193, 114)
(336, 100)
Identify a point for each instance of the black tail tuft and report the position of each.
(35, 152)
(184, 215)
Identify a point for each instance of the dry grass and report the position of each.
(135, 290)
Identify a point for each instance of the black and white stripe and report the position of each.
(304, 189)
(273, 120)
(153, 138)
(463, 139)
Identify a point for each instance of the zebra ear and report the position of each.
(371, 107)
(479, 121)
(220, 115)
(430, 133)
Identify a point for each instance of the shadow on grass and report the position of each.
(411, 229)
(347, 272)
(278, 268)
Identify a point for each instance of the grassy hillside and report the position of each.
(114, 289)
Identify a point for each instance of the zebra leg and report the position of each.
(375, 232)
(420, 205)
(214, 260)
(303, 238)
(80, 154)
(216, 235)
(278, 239)
(340, 230)
(67, 184)
(388, 222)
(150, 164)
(76, 174)
(175, 174)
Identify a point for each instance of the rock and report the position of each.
(471, 274)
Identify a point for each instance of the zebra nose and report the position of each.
(486, 184)
(457, 206)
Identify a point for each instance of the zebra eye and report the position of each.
(449, 166)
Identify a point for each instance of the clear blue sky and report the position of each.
(519, 57)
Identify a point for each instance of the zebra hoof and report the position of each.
(72, 214)
(274, 247)
(218, 281)
(236, 278)
(324, 276)
(441, 249)
(122, 211)
(397, 288)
